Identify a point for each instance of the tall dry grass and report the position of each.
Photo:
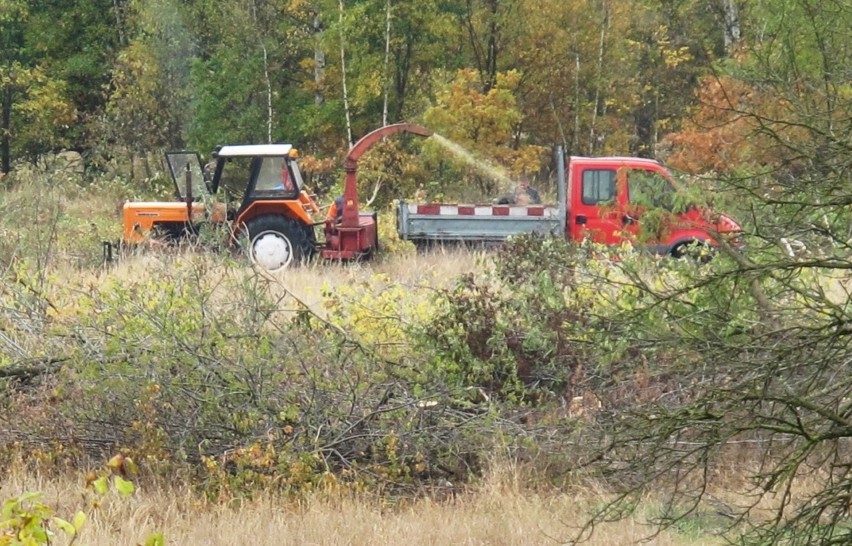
(421, 273)
(496, 512)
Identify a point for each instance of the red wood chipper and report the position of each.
(356, 235)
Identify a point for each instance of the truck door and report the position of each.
(649, 206)
(595, 213)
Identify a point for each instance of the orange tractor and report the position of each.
(275, 212)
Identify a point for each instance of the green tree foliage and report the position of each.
(76, 46)
(34, 109)
(228, 83)
(481, 123)
(148, 105)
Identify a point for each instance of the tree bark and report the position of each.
(402, 58)
(319, 62)
(386, 82)
(5, 135)
(269, 113)
(732, 24)
(575, 138)
(343, 78)
(26, 370)
(593, 137)
(486, 61)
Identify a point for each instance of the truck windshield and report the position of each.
(650, 189)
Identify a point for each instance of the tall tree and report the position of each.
(485, 23)
(480, 125)
(148, 106)
(242, 80)
(673, 44)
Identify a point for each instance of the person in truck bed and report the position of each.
(523, 194)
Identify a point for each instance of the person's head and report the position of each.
(524, 182)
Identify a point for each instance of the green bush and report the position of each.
(522, 329)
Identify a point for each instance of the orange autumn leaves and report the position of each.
(736, 124)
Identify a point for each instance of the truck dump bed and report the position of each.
(438, 222)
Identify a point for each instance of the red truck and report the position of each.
(605, 199)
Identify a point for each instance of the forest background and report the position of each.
(121, 80)
(714, 394)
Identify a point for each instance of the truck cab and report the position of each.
(611, 200)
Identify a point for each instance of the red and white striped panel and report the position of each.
(437, 209)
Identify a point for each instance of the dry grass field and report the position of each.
(496, 512)
(500, 509)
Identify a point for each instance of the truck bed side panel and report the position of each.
(440, 222)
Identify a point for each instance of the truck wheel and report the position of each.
(696, 251)
(276, 242)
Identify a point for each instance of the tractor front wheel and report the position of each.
(276, 242)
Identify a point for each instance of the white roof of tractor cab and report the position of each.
(254, 150)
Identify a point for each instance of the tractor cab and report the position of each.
(253, 173)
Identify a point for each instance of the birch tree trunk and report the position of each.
(268, 93)
(118, 22)
(343, 78)
(319, 61)
(732, 24)
(266, 79)
(593, 137)
(5, 131)
(575, 138)
(386, 82)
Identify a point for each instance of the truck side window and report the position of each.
(598, 186)
(650, 189)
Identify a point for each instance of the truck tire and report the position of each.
(696, 251)
(276, 242)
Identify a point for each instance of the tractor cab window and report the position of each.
(275, 178)
(187, 174)
(235, 173)
(650, 190)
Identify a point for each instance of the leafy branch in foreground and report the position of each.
(27, 521)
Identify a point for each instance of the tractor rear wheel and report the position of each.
(276, 242)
